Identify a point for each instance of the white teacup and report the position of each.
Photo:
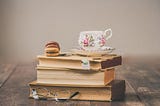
(94, 40)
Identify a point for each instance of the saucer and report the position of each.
(94, 53)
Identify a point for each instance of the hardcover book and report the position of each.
(79, 62)
(114, 91)
(72, 77)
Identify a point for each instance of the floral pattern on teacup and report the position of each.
(88, 41)
(94, 40)
(102, 41)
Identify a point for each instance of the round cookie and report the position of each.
(52, 43)
(52, 49)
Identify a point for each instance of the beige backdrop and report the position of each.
(26, 25)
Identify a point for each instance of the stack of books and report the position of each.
(78, 78)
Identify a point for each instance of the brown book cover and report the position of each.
(80, 62)
(113, 91)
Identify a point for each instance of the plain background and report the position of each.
(26, 25)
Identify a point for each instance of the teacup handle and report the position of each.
(105, 33)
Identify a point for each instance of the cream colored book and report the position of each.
(72, 77)
(114, 91)
(80, 62)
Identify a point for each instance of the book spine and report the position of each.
(109, 75)
(111, 63)
(118, 89)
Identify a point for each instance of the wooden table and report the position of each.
(142, 76)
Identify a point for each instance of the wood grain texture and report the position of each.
(147, 85)
(141, 76)
(5, 71)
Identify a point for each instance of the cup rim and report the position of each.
(91, 31)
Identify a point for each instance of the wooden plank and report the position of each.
(15, 91)
(5, 71)
(144, 80)
(131, 96)
(96, 103)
